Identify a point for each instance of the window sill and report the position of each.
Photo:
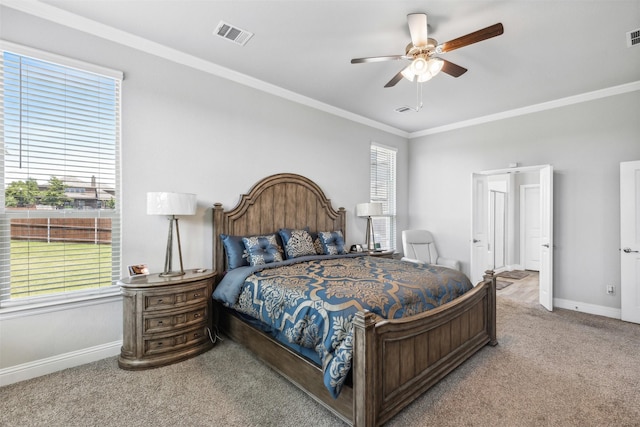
(12, 309)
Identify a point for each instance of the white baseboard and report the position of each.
(598, 310)
(25, 371)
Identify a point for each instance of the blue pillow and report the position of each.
(236, 253)
(332, 242)
(297, 243)
(262, 249)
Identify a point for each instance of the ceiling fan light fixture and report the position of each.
(419, 66)
(435, 65)
(408, 74)
(424, 77)
(422, 69)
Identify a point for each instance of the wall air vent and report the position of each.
(402, 109)
(633, 38)
(232, 33)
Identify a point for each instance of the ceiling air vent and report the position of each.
(234, 34)
(633, 38)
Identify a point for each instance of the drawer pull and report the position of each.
(195, 316)
(159, 301)
(196, 335)
(160, 322)
(159, 344)
(196, 295)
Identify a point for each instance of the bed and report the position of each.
(393, 361)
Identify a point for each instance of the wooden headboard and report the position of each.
(278, 201)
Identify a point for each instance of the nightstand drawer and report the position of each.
(160, 300)
(172, 343)
(168, 322)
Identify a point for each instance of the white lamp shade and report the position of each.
(369, 209)
(162, 203)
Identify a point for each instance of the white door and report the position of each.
(530, 226)
(546, 237)
(479, 227)
(630, 241)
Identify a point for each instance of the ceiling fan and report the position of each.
(422, 51)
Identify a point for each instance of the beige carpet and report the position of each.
(550, 369)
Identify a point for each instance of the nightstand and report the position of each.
(165, 319)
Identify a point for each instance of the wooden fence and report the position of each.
(79, 230)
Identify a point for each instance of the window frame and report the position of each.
(389, 203)
(73, 296)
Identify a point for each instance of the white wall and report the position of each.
(585, 144)
(187, 131)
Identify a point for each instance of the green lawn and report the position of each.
(43, 268)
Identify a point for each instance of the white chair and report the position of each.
(419, 247)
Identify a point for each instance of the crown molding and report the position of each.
(562, 102)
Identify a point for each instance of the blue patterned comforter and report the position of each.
(310, 302)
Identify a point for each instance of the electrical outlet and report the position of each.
(611, 290)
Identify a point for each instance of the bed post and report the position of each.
(364, 370)
(218, 250)
(342, 215)
(489, 276)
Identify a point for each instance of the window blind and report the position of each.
(60, 217)
(383, 189)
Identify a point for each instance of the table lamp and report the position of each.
(171, 204)
(368, 210)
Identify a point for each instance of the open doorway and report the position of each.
(512, 231)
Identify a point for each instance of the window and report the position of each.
(59, 199)
(383, 189)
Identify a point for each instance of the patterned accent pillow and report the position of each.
(332, 242)
(235, 251)
(317, 244)
(262, 249)
(297, 243)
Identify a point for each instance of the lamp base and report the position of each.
(370, 239)
(169, 255)
(171, 273)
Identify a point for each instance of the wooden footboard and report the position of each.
(397, 360)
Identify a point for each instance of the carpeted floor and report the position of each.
(550, 369)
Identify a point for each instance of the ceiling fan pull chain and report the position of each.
(418, 96)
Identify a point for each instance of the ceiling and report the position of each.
(302, 49)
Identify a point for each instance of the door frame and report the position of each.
(477, 215)
(494, 217)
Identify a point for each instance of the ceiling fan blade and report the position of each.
(395, 79)
(452, 69)
(378, 59)
(418, 28)
(471, 38)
